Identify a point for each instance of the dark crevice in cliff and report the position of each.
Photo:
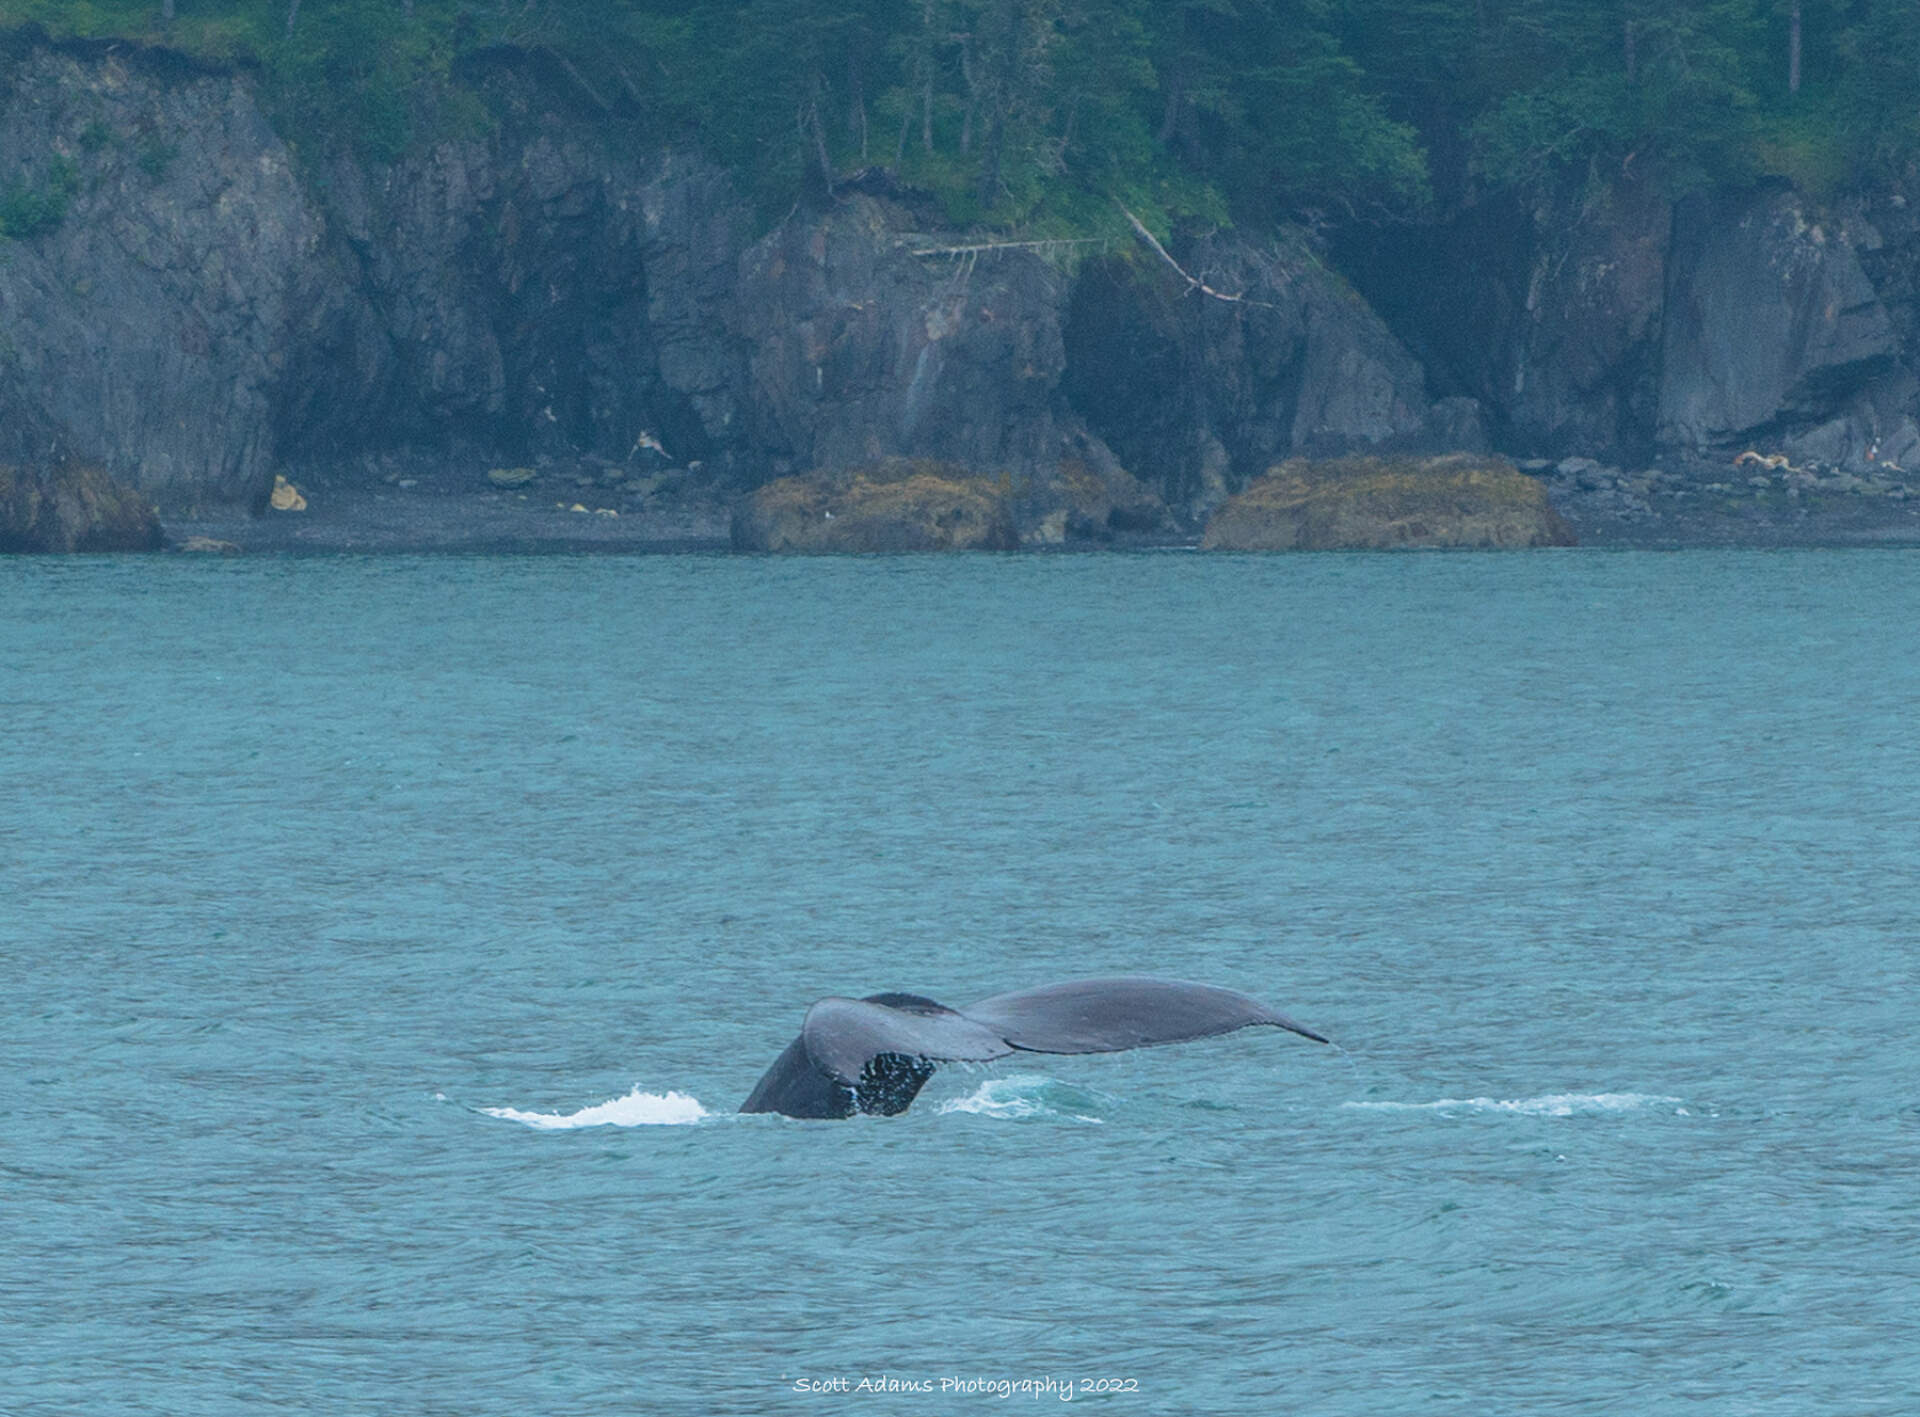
(1549, 312)
(1412, 278)
(1448, 293)
(1134, 384)
(1268, 354)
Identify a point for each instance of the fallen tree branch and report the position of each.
(1193, 282)
(977, 248)
(578, 80)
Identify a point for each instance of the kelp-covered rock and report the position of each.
(75, 508)
(900, 506)
(1365, 503)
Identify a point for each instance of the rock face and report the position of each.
(901, 506)
(75, 508)
(207, 316)
(202, 312)
(871, 343)
(531, 294)
(146, 328)
(1365, 503)
(1770, 319)
(190, 309)
(1197, 393)
(1612, 323)
(1584, 357)
(1548, 313)
(863, 350)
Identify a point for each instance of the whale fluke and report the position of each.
(875, 1054)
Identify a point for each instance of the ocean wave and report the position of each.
(636, 1109)
(1552, 1104)
(1024, 1097)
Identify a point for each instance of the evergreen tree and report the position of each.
(1048, 114)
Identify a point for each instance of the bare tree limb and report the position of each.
(632, 89)
(578, 80)
(1041, 246)
(1193, 282)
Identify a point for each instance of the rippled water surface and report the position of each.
(385, 945)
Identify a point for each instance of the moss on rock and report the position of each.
(1461, 500)
(898, 505)
(73, 508)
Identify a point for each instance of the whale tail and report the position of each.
(873, 1055)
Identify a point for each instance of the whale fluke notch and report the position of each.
(874, 1054)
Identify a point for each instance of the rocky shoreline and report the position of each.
(438, 510)
(535, 338)
(1693, 502)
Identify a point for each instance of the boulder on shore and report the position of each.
(73, 508)
(903, 505)
(1360, 503)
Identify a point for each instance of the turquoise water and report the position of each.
(385, 944)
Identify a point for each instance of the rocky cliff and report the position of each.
(148, 314)
(206, 309)
(1203, 371)
(194, 306)
(211, 308)
(1611, 322)
(1771, 323)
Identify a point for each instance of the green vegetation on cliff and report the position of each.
(35, 202)
(1043, 116)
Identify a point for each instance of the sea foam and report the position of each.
(636, 1109)
(1552, 1104)
(1023, 1096)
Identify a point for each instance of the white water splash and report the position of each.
(1552, 1104)
(1022, 1096)
(636, 1109)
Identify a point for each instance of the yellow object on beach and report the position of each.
(286, 497)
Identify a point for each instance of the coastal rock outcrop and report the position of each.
(896, 506)
(1198, 389)
(1607, 321)
(197, 312)
(1355, 503)
(870, 342)
(1548, 312)
(1582, 359)
(193, 306)
(190, 308)
(73, 508)
(147, 312)
(1770, 320)
(533, 293)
